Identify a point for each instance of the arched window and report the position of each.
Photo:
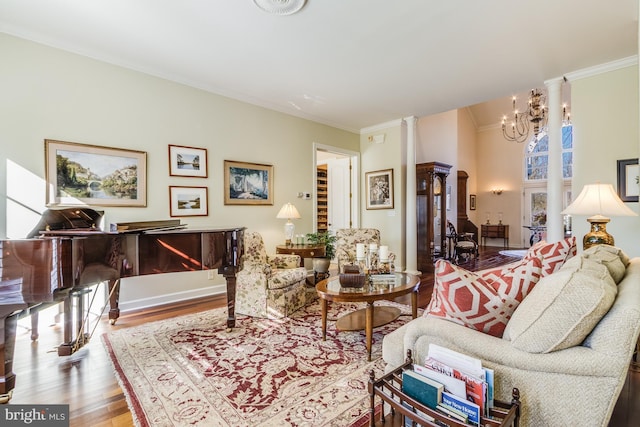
(537, 157)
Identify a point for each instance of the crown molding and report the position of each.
(602, 68)
(381, 126)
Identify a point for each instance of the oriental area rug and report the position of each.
(189, 371)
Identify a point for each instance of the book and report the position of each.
(489, 378)
(422, 389)
(452, 413)
(451, 384)
(470, 409)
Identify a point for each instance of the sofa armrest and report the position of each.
(578, 360)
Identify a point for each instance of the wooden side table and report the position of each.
(305, 251)
(494, 231)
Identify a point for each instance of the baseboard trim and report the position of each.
(164, 299)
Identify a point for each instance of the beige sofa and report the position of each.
(576, 385)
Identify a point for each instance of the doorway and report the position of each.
(336, 200)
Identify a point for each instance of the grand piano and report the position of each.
(68, 252)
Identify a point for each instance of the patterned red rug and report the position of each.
(189, 371)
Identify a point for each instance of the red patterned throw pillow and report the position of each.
(468, 299)
(553, 254)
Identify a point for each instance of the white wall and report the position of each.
(375, 157)
(51, 94)
(604, 112)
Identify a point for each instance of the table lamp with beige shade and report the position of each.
(601, 202)
(288, 212)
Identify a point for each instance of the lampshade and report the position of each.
(288, 211)
(600, 201)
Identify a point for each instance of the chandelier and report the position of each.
(518, 130)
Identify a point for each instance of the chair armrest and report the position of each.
(252, 268)
(283, 261)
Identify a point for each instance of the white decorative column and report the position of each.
(555, 227)
(411, 249)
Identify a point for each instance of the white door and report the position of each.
(535, 214)
(339, 193)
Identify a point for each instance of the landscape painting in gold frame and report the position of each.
(247, 183)
(82, 174)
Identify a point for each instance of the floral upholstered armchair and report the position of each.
(269, 286)
(346, 239)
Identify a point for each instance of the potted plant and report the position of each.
(321, 265)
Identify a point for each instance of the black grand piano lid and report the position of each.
(67, 218)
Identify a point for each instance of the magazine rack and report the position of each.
(389, 389)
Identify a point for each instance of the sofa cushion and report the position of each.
(611, 257)
(562, 309)
(466, 298)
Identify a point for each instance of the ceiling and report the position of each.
(352, 64)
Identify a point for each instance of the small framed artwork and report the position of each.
(448, 197)
(247, 183)
(628, 173)
(472, 202)
(379, 189)
(188, 201)
(187, 161)
(81, 174)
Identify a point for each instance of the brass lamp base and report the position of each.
(598, 234)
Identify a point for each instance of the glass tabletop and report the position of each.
(376, 283)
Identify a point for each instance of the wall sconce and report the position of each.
(497, 191)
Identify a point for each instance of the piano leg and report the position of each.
(114, 295)
(7, 348)
(231, 300)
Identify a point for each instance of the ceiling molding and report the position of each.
(602, 68)
(381, 126)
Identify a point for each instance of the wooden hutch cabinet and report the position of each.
(431, 185)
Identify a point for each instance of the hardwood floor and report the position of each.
(86, 381)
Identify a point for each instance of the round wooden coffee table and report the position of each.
(382, 287)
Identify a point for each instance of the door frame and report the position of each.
(355, 182)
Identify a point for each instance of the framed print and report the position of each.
(628, 172)
(472, 202)
(80, 174)
(187, 161)
(379, 189)
(188, 201)
(247, 183)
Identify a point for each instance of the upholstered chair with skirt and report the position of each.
(269, 285)
(346, 240)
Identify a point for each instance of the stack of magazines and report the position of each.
(452, 383)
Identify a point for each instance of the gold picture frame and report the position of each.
(247, 183)
(82, 174)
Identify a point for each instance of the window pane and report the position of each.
(567, 137)
(537, 167)
(567, 163)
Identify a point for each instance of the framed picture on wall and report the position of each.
(247, 183)
(472, 202)
(81, 174)
(187, 161)
(628, 187)
(188, 201)
(379, 188)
